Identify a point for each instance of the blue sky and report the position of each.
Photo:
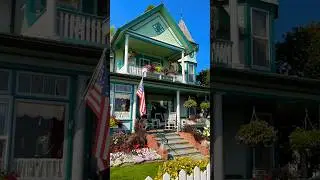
(296, 12)
(195, 15)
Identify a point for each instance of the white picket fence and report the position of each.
(196, 175)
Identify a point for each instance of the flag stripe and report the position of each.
(98, 100)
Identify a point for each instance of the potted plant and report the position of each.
(205, 106)
(115, 123)
(190, 103)
(150, 67)
(8, 176)
(256, 133)
(307, 144)
(158, 69)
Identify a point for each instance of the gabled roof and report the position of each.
(185, 30)
(161, 9)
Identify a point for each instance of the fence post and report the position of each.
(148, 178)
(208, 172)
(182, 175)
(196, 173)
(166, 176)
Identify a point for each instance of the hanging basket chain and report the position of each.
(307, 120)
(254, 115)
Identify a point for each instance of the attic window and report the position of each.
(158, 28)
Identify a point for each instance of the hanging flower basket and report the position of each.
(301, 139)
(256, 133)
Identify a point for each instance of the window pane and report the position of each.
(123, 88)
(61, 87)
(2, 153)
(4, 80)
(260, 52)
(37, 84)
(259, 23)
(3, 118)
(49, 85)
(122, 102)
(39, 130)
(122, 105)
(24, 83)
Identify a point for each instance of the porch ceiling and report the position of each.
(146, 45)
(263, 84)
(159, 85)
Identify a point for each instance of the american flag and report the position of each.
(97, 98)
(141, 95)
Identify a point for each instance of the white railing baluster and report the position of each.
(98, 31)
(61, 17)
(66, 25)
(104, 34)
(88, 28)
(93, 30)
(77, 28)
(72, 24)
(82, 28)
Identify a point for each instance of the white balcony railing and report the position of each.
(137, 71)
(32, 168)
(81, 27)
(222, 52)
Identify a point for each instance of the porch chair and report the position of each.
(162, 121)
(172, 121)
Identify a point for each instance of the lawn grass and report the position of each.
(135, 172)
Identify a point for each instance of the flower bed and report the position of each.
(135, 157)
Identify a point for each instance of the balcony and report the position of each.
(65, 23)
(222, 53)
(137, 71)
(76, 26)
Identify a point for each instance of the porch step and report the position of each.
(178, 147)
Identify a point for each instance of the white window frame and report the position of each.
(66, 128)
(42, 95)
(9, 81)
(7, 138)
(262, 38)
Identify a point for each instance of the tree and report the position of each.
(149, 8)
(204, 77)
(299, 53)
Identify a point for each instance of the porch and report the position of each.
(166, 111)
(167, 62)
(284, 102)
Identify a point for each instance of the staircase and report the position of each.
(176, 145)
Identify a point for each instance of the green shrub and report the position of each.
(173, 167)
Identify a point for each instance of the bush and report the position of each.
(118, 142)
(173, 167)
(256, 133)
(198, 135)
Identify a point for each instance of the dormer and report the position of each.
(244, 34)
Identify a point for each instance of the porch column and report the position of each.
(218, 143)
(78, 138)
(134, 108)
(183, 68)
(234, 32)
(51, 12)
(178, 110)
(126, 54)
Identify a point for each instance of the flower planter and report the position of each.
(113, 129)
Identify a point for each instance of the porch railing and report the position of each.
(38, 168)
(222, 52)
(137, 71)
(78, 26)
